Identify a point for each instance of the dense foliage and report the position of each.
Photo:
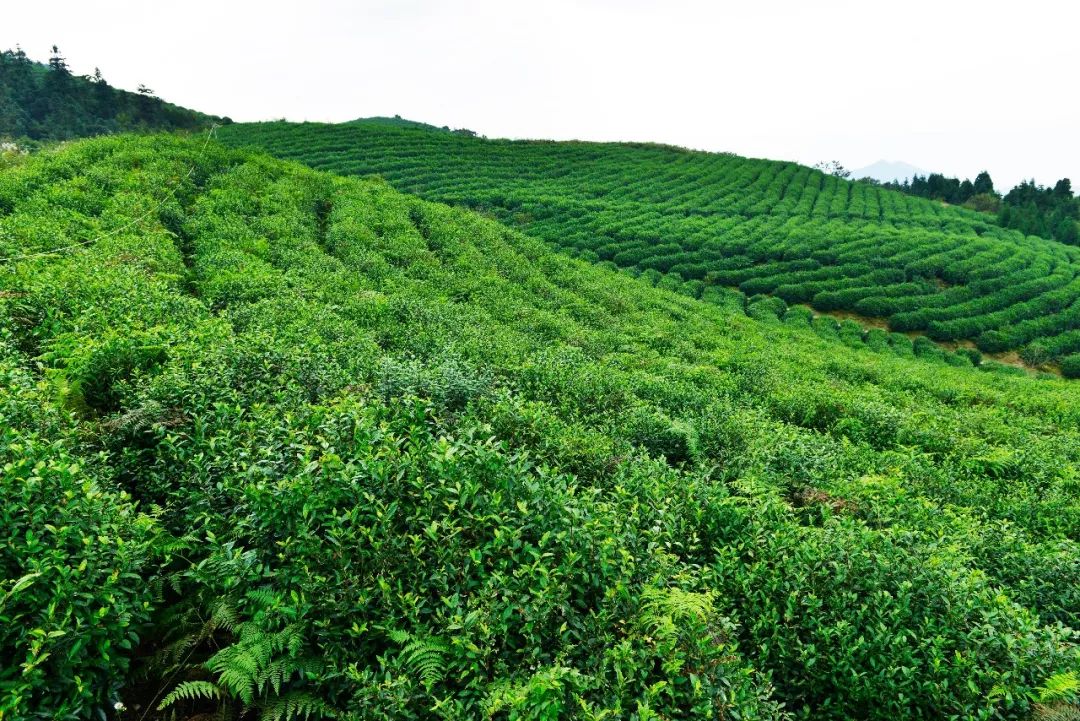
(936, 186)
(48, 102)
(279, 440)
(704, 219)
(1030, 208)
(1049, 212)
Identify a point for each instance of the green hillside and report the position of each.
(280, 440)
(47, 102)
(697, 220)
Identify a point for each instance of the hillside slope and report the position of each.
(705, 219)
(48, 102)
(273, 438)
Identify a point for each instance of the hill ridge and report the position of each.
(47, 102)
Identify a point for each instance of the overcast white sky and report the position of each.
(949, 85)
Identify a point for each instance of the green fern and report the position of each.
(261, 661)
(280, 671)
(399, 637)
(257, 668)
(191, 691)
(423, 656)
(262, 598)
(1057, 712)
(224, 617)
(1060, 687)
(237, 669)
(192, 630)
(295, 705)
(1058, 698)
(666, 606)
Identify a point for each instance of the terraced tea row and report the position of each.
(718, 219)
(280, 444)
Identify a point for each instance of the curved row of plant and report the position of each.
(304, 445)
(763, 226)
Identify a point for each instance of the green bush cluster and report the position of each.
(77, 563)
(305, 446)
(694, 220)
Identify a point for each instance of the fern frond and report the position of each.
(261, 660)
(224, 617)
(175, 652)
(1056, 712)
(262, 598)
(1060, 687)
(238, 678)
(291, 638)
(424, 656)
(174, 583)
(190, 691)
(400, 637)
(675, 604)
(274, 675)
(281, 671)
(295, 705)
(238, 668)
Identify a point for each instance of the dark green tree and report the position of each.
(983, 183)
(47, 102)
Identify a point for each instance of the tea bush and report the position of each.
(764, 227)
(304, 446)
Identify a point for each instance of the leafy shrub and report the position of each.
(927, 349)
(451, 384)
(409, 473)
(763, 307)
(971, 354)
(799, 316)
(725, 298)
(851, 334)
(853, 615)
(877, 340)
(959, 360)
(1001, 368)
(670, 281)
(764, 227)
(676, 441)
(902, 345)
(651, 276)
(95, 370)
(75, 557)
(1070, 366)
(1035, 354)
(826, 326)
(692, 288)
(994, 341)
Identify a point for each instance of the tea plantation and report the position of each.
(695, 220)
(294, 445)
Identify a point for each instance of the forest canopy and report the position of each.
(1050, 212)
(48, 102)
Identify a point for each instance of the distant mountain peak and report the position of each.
(888, 170)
